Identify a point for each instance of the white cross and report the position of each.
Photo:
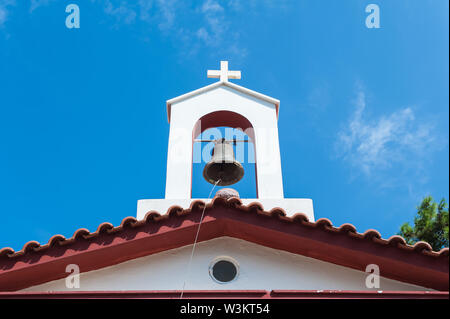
(223, 73)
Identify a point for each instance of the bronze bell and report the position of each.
(223, 165)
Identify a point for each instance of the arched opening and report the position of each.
(228, 125)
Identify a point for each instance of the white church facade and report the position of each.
(226, 246)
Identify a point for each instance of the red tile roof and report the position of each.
(343, 245)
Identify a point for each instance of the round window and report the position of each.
(223, 270)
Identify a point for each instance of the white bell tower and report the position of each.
(224, 104)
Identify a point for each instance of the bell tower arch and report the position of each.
(225, 119)
(224, 103)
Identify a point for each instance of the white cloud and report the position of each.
(3, 14)
(121, 12)
(203, 34)
(216, 28)
(376, 145)
(38, 3)
(193, 24)
(210, 6)
(145, 8)
(159, 12)
(4, 10)
(167, 13)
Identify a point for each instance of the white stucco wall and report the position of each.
(290, 205)
(259, 268)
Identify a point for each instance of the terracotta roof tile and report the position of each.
(323, 224)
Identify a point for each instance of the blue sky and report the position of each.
(363, 119)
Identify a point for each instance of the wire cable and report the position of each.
(195, 241)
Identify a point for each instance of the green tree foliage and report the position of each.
(430, 224)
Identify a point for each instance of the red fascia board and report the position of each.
(228, 294)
